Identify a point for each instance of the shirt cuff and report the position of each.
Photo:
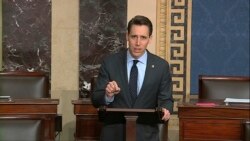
(108, 100)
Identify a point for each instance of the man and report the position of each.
(153, 86)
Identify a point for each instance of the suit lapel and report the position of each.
(148, 74)
(124, 77)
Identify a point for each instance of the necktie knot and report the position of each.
(135, 62)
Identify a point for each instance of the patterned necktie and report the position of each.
(133, 81)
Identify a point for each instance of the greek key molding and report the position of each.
(174, 43)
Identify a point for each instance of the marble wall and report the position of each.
(27, 35)
(102, 30)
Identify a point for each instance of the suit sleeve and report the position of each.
(165, 98)
(98, 95)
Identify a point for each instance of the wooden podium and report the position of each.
(44, 110)
(131, 116)
(88, 125)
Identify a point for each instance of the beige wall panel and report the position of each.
(148, 9)
(65, 55)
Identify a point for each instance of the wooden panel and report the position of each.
(212, 123)
(211, 129)
(30, 106)
(88, 126)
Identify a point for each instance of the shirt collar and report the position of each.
(142, 59)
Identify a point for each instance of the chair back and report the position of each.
(24, 85)
(221, 87)
(21, 130)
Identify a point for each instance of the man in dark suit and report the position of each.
(153, 85)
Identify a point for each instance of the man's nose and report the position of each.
(138, 41)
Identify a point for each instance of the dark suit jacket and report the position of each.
(156, 91)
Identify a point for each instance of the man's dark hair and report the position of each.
(140, 20)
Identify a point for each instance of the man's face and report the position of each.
(138, 40)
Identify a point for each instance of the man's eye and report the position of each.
(133, 37)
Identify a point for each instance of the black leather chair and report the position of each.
(247, 130)
(26, 85)
(221, 87)
(21, 130)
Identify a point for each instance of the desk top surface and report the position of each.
(213, 109)
(30, 101)
(82, 101)
(201, 103)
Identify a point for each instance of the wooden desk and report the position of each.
(30, 109)
(218, 122)
(88, 126)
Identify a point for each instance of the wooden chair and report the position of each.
(221, 87)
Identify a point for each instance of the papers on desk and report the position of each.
(4, 98)
(236, 100)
